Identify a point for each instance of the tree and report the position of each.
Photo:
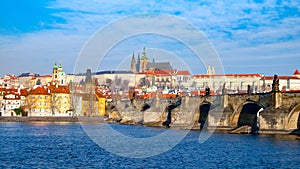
(32, 101)
(19, 111)
(54, 103)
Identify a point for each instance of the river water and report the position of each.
(66, 145)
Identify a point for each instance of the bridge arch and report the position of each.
(246, 114)
(204, 108)
(293, 118)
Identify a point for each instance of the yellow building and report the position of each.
(60, 100)
(101, 103)
(39, 102)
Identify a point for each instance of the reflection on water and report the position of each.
(57, 145)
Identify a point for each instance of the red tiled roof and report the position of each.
(226, 75)
(39, 91)
(296, 72)
(290, 91)
(183, 72)
(21, 92)
(168, 72)
(279, 77)
(100, 94)
(58, 89)
(24, 92)
(164, 72)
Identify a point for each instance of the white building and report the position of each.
(233, 83)
(10, 102)
(286, 83)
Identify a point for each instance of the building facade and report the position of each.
(60, 100)
(39, 102)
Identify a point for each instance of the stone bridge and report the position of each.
(274, 111)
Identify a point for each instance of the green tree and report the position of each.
(19, 111)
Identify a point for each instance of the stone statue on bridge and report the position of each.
(275, 85)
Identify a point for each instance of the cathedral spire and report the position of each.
(144, 56)
(133, 64)
(143, 62)
(138, 63)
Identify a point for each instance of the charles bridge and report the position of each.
(273, 112)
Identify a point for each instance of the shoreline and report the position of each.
(83, 119)
(39, 119)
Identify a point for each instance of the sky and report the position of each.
(249, 36)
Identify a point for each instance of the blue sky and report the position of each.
(250, 36)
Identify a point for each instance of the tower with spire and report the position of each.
(143, 61)
(138, 63)
(55, 73)
(58, 75)
(141, 64)
(133, 64)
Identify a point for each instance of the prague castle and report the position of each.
(142, 64)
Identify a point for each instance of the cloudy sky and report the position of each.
(250, 36)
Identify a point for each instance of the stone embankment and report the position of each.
(39, 119)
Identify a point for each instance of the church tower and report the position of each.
(62, 77)
(55, 73)
(133, 64)
(138, 63)
(210, 70)
(143, 62)
(58, 75)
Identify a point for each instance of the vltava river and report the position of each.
(66, 145)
